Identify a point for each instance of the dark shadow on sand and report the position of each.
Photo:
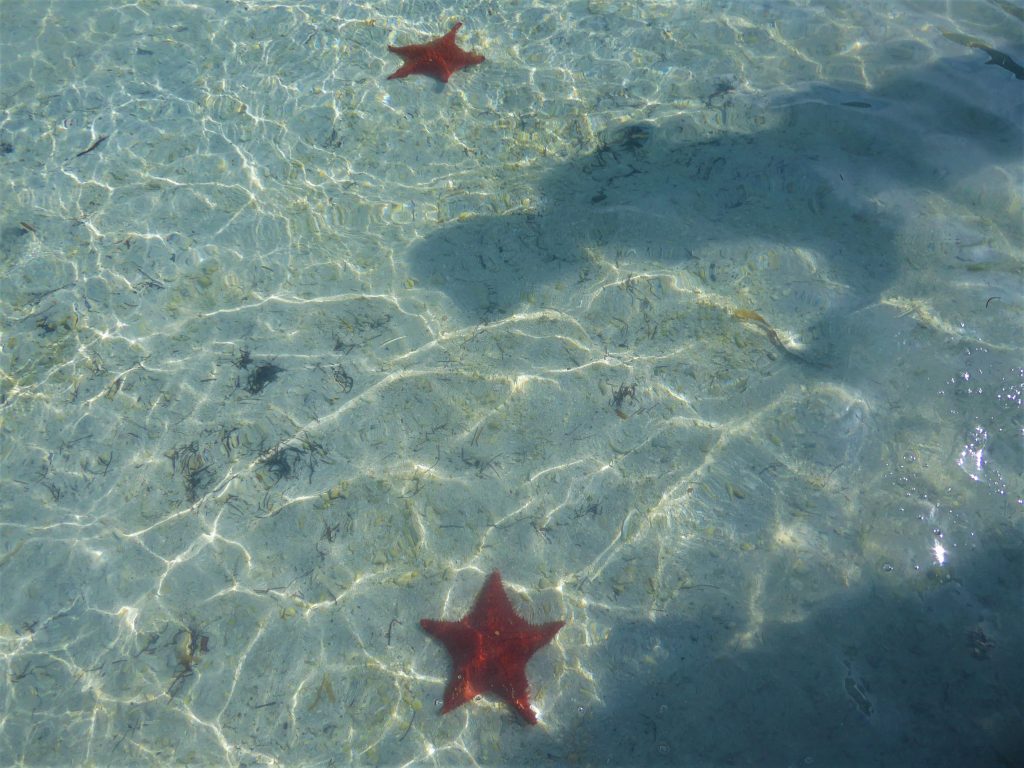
(898, 672)
(669, 193)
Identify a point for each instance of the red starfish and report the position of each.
(440, 58)
(489, 648)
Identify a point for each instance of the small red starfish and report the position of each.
(489, 648)
(440, 58)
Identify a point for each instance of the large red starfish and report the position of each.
(439, 58)
(489, 648)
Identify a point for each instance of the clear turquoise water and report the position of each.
(700, 321)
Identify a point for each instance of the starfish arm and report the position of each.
(403, 71)
(428, 64)
(461, 641)
(409, 51)
(540, 635)
(459, 691)
(492, 605)
(514, 688)
(439, 70)
(466, 59)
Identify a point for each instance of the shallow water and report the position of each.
(699, 321)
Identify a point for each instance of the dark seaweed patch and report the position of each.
(360, 330)
(620, 395)
(342, 378)
(244, 358)
(282, 462)
(261, 376)
(190, 644)
(189, 462)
